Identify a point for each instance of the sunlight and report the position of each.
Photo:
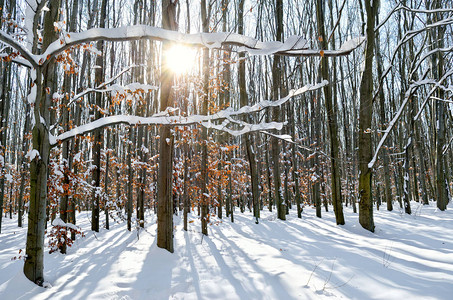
(181, 59)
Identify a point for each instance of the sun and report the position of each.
(181, 59)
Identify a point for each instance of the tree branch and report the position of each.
(9, 40)
(293, 46)
(163, 118)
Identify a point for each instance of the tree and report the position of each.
(331, 107)
(164, 185)
(64, 201)
(98, 133)
(365, 116)
(438, 70)
(43, 82)
(205, 14)
(385, 162)
(276, 81)
(244, 101)
(5, 83)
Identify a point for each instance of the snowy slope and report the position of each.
(409, 257)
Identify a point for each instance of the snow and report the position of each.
(345, 49)
(308, 258)
(9, 178)
(351, 44)
(284, 137)
(133, 87)
(247, 128)
(294, 45)
(144, 149)
(57, 96)
(28, 24)
(59, 222)
(31, 98)
(32, 154)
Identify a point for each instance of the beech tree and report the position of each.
(366, 112)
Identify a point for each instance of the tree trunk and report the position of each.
(385, 161)
(34, 266)
(204, 133)
(106, 182)
(98, 133)
(245, 101)
(5, 95)
(64, 200)
(166, 146)
(276, 81)
(441, 187)
(331, 108)
(4, 110)
(365, 117)
(186, 183)
(22, 168)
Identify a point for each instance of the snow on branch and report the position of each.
(99, 88)
(293, 46)
(345, 49)
(245, 129)
(267, 103)
(445, 148)
(409, 93)
(107, 86)
(428, 54)
(18, 60)
(163, 118)
(436, 86)
(426, 11)
(287, 138)
(413, 10)
(10, 41)
(387, 132)
(407, 37)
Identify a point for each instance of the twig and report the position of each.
(340, 285)
(386, 256)
(330, 275)
(309, 278)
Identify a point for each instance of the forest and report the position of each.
(170, 117)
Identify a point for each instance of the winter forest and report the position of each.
(245, 149)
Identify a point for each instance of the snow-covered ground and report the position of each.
(408, 257)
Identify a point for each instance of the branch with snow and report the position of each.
(247, 128)
(32, 154)
(409, 93)
(164, 118)
(287, 138)
(407, 37)
(100, 88)
(436, 86)
(426, 11)
(59, 222)
(107, 86)
(345, 49)
(445, 148)
(293, 46)
(412, 10)
(426, 55)
(10, 41)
